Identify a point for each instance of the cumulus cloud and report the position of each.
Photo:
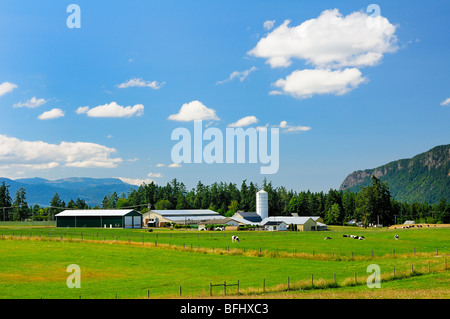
(330, 40)
(138, 82)
(112, 110)
(160, 165)
(31, 103)
(52, 114)
(192, 111)
(306, 83)
(446, 101)
(40, 155)
(245, 121)
(175, 165)
(7, 87)
(236, 74)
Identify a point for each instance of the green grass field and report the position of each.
(130, 264)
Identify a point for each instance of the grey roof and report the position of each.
(250, 216)
(188, 215)
(95, 212)
(218, 221)
(187, 212)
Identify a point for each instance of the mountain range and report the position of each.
(40, 191)
(424, 177)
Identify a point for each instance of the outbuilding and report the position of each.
(105, 218)
(299, 223)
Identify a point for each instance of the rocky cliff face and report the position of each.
(426, 176)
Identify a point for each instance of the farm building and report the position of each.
(228, 221)
(274, 225)
(300, 223)
(157, 218)
(248, 216)
(114, 218)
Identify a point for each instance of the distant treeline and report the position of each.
(373, 204)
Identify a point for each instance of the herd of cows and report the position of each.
(349, 236)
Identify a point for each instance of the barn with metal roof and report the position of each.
(158, 218)
(105, 218)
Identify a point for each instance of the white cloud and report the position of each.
(269, 24)
(7, 87)
(31, 103)
(138, 82)
(194, 110)
(236, 74)
(155, 175)
(112, 110)
(289, 128)
(446, 101)
(331, 40)
(52, 114)
(39, 154)
(306, 83)
(160, 165)
(175, 165)
(136, 181)
(245, 121)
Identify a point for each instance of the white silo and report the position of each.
(262, 204)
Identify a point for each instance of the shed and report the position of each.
(106, 218)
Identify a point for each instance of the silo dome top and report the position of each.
(262, 191)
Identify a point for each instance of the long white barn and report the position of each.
(158, 218)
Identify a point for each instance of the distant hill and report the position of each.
(425, 177)
(92, 190)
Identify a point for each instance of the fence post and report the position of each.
(210, 289)
(394, 271)
(225, 288)
(334, 275)
(180, 291)
(264, 285)
(312, 280)
(288, 283)
(238, 286)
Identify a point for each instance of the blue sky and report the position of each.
(95, 101)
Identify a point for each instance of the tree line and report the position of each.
(373, 204)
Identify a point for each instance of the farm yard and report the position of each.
(165, 263)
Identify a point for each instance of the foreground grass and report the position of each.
(36, 268)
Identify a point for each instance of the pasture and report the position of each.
(127, 263)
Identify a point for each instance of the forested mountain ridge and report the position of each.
(424, 177)
(92, 190)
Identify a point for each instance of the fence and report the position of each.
(225, 285)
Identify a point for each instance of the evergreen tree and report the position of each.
(20, 210)
(5, 201)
